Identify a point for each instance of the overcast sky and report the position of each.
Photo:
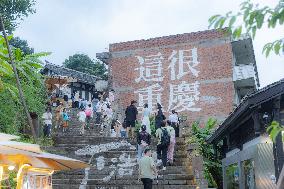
(66, 27)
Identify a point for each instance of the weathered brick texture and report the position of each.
(215, 70)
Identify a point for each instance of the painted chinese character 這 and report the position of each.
(150, 68)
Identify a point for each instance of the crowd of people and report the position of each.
(99, 109)
(166, 131)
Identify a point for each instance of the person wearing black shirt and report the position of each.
(143, 140)
(130, 118)
(160, 117)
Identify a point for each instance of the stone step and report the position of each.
(95, 139)
(115, 182)
(106, 170)
(71, 151)
(178, 176)
(178, 139)
(81, 144)
(126, 177)
(101, 186)
(177, 161)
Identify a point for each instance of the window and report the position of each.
(232, 176)
(249, 176)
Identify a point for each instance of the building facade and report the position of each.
(64, 81)
(200, 74)
(250, 159)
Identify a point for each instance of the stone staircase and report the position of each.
(113, 161)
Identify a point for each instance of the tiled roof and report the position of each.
(60, 70)
(244, 104)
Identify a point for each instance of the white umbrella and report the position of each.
(19, 152)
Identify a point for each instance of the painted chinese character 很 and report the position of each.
(185, 60)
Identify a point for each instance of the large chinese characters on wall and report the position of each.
(190, 73)
(183, 94)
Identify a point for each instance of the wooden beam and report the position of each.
(256, 122)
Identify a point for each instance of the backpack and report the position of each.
(165, 138)
(88, 112)
(144, 136)
(65, 117)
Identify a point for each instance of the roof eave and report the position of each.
(251, 101)
(232, 117)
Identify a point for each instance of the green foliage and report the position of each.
(274, 129)
(152, 125)
(12, 117)
(12, 179)
(212, 166)
(249, 19)
(21, 44)
(84, 63)
(14, 10)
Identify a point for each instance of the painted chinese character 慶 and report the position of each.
(184, 97)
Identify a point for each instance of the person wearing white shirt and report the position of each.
(99, 111)
(109, 112)
(145, 119)
(82, 118)
(107, 119)
(111, 95)
(76, 99)
(47, 120)
(173, 118)
(174, 121)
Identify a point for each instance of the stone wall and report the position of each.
(191, 73)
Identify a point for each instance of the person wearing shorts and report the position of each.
(130, 118)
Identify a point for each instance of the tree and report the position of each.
(212, 166)
(84, 63)
(10, 12)
(14, 10)
(12, 116)
(250, 19)
(21, 44)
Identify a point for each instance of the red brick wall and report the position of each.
(215, 70)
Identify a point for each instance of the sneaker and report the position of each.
(164, 168)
